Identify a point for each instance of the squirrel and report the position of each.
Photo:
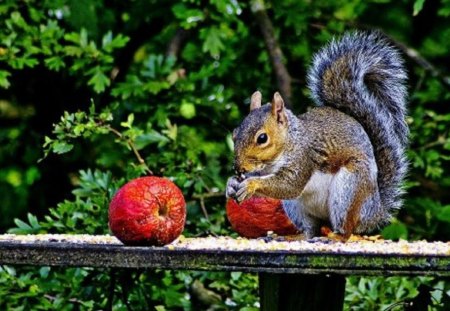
(342, 163)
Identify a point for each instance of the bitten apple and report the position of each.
(256, 216)
(147, 211)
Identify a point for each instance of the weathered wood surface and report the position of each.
(228, 254)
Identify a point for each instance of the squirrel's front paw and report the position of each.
(245, 189)
(232, 187)
(240, 190)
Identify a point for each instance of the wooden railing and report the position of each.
(293, 275)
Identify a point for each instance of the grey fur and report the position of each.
(292, 208)
(379, 107)
(344, 163)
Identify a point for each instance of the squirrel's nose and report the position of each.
(240, 175)
(238, 170)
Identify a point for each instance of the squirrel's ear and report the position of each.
(234, 135)
(255, 101)
(278, 108)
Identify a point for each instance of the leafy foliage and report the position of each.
(378, 293)
(93, 94)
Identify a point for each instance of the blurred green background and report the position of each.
(89, 87)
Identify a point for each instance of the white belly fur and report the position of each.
(315, 195)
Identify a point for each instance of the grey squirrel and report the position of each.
(341, 163)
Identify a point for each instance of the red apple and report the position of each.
(147, 211)
(256, 216)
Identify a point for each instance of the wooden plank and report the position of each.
(289, 292)
(81, 251)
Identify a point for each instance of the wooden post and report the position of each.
(306, 292)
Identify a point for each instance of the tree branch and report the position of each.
(72, 300)
(112, 285)
(423, 62)
(133, 148)
(283, 77)
(176, 43)
(208, 195)
(201, 198)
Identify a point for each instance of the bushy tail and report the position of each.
(362, 75)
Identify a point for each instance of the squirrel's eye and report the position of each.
(262, 138)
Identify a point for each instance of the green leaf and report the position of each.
(395, 231)
(346, 11)
(444, 214)
(79, 129)
(150, 137)
(235, 275)
(4, 83)
(132, 87)
(61, 147)
(22, 62)
(230, 143)
(109, 43)
(171, 130)
(32, 174)
(73, 37)
(444, 11)
(22, 225)
(54, 63)
(129, 122)
(212, 40)
(99, 80)
(187, 110)
(10, 270)
(18, 20)
(44, 271)
(106, 40)
(418, 6)
(83, 38)
(71, 50)
(32, 220)
(47, 141)
(155, 87)
(189, 17)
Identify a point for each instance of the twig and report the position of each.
(423, 62)
(440, 141)
(411, 53)
(125, 297)
(175, 44)
(201, 198)
(276, 55)
(133, 148)
(203, 207)
(125, 279)
(72, 300)
(434, 189)
(208, 195)
(398, 304)
(112, 285)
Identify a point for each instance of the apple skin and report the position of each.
(256, 216)
(147, 211)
